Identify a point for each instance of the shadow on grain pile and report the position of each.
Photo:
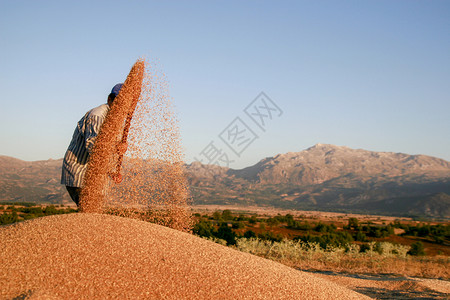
(102, 256)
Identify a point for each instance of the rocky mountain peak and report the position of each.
(325, 147)
(323, 162)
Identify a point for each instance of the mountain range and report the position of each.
(35, 181)
(322, 177)
(334, 178)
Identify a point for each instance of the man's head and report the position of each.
(114, 92)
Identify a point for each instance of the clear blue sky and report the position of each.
(373, 75)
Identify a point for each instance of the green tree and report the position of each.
(204, 228)
(50, 210)
(290, 220)
(360, 237)
(353, 223)
(225, 233)
(272, 222)
(226, 215)
(217, 215)
(253, 220)
(238, 225)
(270, 236)
(321, 227)
(249, 234)
(417, 249)
(242, 217)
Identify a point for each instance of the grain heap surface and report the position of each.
(98, 256)
(154, 185)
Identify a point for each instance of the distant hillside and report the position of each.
(36, 181)
(323, 177)
(328, 177)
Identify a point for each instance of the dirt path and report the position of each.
(390, 286)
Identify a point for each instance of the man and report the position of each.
(77, 155)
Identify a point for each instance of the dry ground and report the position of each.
(391, 287)
(306, 214)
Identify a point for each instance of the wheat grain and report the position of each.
(154, 185)
(99, 256)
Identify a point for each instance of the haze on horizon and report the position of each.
(369, 75)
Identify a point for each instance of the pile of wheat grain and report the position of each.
(99, 256)
(154, 185)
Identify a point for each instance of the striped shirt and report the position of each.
(76, 158)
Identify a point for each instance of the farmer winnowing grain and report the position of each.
(77, 155)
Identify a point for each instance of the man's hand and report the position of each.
(117, 177)
(122, 148)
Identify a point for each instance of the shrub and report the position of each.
(226, 215)
(249, 234)
(37, 211)
(216, 240)
(328, 240)
(217, 216)
(8, 218)
(252, 220)
(203, 228)
(321, 227)
(299, 225)
(353, 223)
(417, 249)
(225, 233)
(389, 249)
(270, 236)
(238, 225)
(360, 237)
(272, 221)
(51, 210)
(242, 218)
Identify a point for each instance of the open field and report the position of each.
(332, 241)
(270, 211)
(339, 219)
(385, 271)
